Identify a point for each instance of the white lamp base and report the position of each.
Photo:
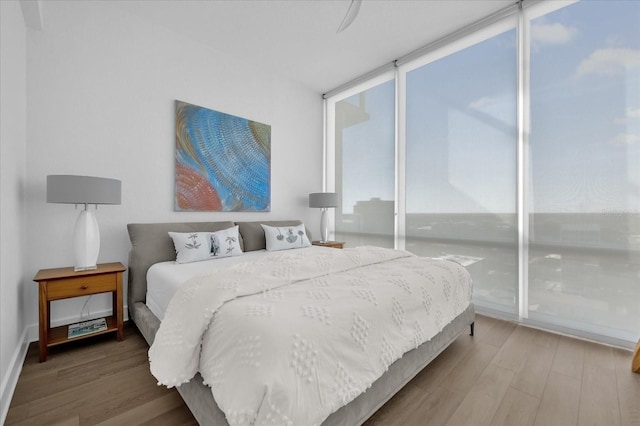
(324, 227)
(86, 241)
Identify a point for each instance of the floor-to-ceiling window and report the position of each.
(514, 150)
(584, 167)
(461, 152)
(365, 166)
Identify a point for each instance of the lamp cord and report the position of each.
(82, 316)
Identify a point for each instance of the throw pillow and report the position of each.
(197, 246)
(285, 237)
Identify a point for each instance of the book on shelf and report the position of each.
(87, 327)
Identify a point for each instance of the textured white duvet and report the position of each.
(296, 335)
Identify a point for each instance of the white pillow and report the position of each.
(196, 246)
(225, 243)
(285, 237)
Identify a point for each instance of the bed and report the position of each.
(151, 245)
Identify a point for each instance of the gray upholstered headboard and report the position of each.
(150, 243)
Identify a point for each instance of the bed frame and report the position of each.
(152, 244)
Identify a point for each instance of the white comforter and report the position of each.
(293, 337)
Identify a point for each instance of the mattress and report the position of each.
(165, 278)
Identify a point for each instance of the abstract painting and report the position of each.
(223, 162)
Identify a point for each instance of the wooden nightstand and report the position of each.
(332, 244)
(64, 283)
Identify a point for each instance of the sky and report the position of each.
(461, 115)
(585, 110)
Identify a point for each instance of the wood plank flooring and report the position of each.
(97, 381)
(505, 375)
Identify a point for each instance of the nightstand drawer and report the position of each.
(80, 286)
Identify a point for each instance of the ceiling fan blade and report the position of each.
(354, 8)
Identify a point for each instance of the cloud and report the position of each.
(610, 61)
(552, 33)
(623, 139)
(631, 114)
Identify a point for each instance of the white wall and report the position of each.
(12, 194)
(101, 87)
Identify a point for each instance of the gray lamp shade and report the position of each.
(324, 200)
(70, 189)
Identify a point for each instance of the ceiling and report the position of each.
(298, 39)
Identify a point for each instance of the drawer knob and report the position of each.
(84, 287)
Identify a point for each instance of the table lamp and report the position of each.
(70, 189)
(324, 200)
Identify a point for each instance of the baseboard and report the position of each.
(31, 334)
(10, 380)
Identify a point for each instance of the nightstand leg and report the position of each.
(117, 306)
(44, 321)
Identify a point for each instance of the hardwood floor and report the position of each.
(97, 381)
(513, 375)
(505, 375)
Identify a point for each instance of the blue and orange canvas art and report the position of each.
(223, 162)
